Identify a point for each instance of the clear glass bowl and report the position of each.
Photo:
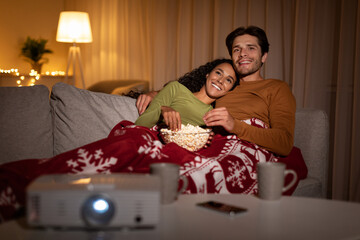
(191, 141)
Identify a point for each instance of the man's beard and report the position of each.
(249, 71)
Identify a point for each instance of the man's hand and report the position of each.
(219, 117)
(144, 100)
(171, 118)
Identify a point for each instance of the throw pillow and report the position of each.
(82, 116)
(25, 123)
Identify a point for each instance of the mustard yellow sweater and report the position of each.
(272, 102)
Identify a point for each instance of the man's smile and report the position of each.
(246, 61)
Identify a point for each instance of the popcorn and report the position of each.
(189, 137)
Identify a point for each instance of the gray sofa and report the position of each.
(34, 126)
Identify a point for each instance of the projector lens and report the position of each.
(100, 206)
(97, 210)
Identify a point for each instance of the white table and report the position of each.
(288, 218)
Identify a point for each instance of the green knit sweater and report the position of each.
(181, 99)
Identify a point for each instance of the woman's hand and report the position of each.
(219, 117)
(171, 118)
(144, 100)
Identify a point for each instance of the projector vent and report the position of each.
(61, 208)
(34, 210)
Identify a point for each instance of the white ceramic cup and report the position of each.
(169, 180)
(271, 176)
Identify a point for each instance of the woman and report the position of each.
(188, 99)
(128, 148)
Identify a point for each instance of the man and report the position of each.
(267, 100)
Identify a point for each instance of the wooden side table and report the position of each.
(7, 80)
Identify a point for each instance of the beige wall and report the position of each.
(34, 18)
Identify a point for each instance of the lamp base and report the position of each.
(74, 53)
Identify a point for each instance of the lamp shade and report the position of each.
(74, 27)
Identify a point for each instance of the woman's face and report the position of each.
(220, 80)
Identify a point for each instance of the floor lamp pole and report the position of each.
(74, 53)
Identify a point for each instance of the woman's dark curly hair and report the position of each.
(195, 79)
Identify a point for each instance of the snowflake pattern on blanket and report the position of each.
(85, 165)
(227, 166)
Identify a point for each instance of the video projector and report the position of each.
(94, 201)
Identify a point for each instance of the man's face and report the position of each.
(246, 55)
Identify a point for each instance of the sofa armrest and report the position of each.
(312, 137)
(139, 86)
(120, 87)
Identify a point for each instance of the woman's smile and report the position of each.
(216, 86)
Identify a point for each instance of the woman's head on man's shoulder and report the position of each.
(196, 79)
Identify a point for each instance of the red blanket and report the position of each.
(227, 166)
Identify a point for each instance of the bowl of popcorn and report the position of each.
(189, 137)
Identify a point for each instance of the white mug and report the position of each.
(270, 176)
(169, 180)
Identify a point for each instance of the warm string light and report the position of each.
(34, 76)
(55, 73)
(13, 71)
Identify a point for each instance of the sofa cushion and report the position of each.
(312, 137)
(25, 123)
(82, 116)
(309, 187)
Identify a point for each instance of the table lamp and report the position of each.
(74, 27)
